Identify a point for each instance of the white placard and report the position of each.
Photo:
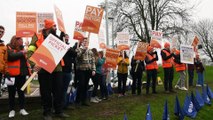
(49, 53)
(186, 54)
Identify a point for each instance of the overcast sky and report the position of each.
(72, 10)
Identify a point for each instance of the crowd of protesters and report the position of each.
(85, 64)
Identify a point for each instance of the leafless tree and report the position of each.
(140, 16)
(204, 30)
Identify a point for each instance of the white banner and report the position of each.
(186, 54)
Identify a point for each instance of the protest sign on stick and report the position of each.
(26, 24)
(92, 19)
(48, 55)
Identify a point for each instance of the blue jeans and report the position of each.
(200, 78)
(66, 82)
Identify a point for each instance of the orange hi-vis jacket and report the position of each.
(40, 39)
(153, 65)
(4, 58)
(180, 67)
(15, 66)
(167, 63)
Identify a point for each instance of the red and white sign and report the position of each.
(156, 38)
(92, 19)
(49, 53)
(111, 58)
(141, 51)
(122, 40)
(79, 34)
(101, 37)
(195, 42)
(26, 24)
(59, 19)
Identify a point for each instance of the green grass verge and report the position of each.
(135, 107)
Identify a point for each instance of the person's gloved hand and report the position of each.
(7, 75)
(62, 34)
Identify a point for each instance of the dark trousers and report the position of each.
(103, 87)
(122, 78)
(96, 81)
(83, 77)
(191, 77)
(19, 82)
(151, 74)
(0, 83)
(136, 76)
(76, 78)
(51, 90)
(66, 82)
(168, 78)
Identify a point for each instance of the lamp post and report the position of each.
(112, 19)
(106, 18)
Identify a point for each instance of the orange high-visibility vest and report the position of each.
(40, 39)
(167, 63)
(180, 67)
(15, 66)
(153, 65)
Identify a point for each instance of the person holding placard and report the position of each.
(105, 72)
(137, 68)
(85, 65)
(180, 68)
(69, 59)
(151, 69)
(199, 69)
(51, 84)
(122, 73)
(3, 58)
(18, 67)
(167, 59)
(95, 79)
